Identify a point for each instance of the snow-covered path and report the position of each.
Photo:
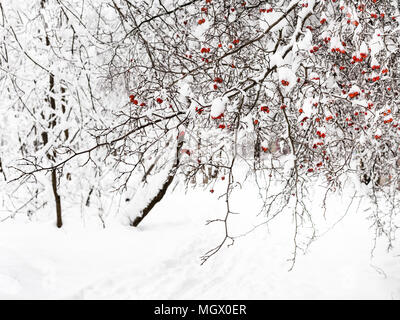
(160, 260)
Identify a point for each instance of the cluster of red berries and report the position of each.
(266, 10)
(389, 111)
(353, 94)
(321, 134)
(135, 101)
(374, 79)
(327, 39)
(329, 118)
(199, 110)
(356, 59)
(339, 50)
(132, 99)
(218, 117)
(315, 145)
(388, 121)
(355, 22)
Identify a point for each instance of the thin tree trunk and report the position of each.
(57, 198)
(163, 190)
(155, 200)
(45, 137)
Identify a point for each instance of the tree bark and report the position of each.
(57, 198)
(45, 136)
(163, 190)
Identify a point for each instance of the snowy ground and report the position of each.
(160, 260)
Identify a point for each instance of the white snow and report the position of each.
(287, 74)
(308, 108)
(376, 43)
(160, 259)
(218, 107)
(363, 48)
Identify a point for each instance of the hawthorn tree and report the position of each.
(189, 90)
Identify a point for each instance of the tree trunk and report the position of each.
(56, 197)
(155, 200)
(45, 136)
(163, 190)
